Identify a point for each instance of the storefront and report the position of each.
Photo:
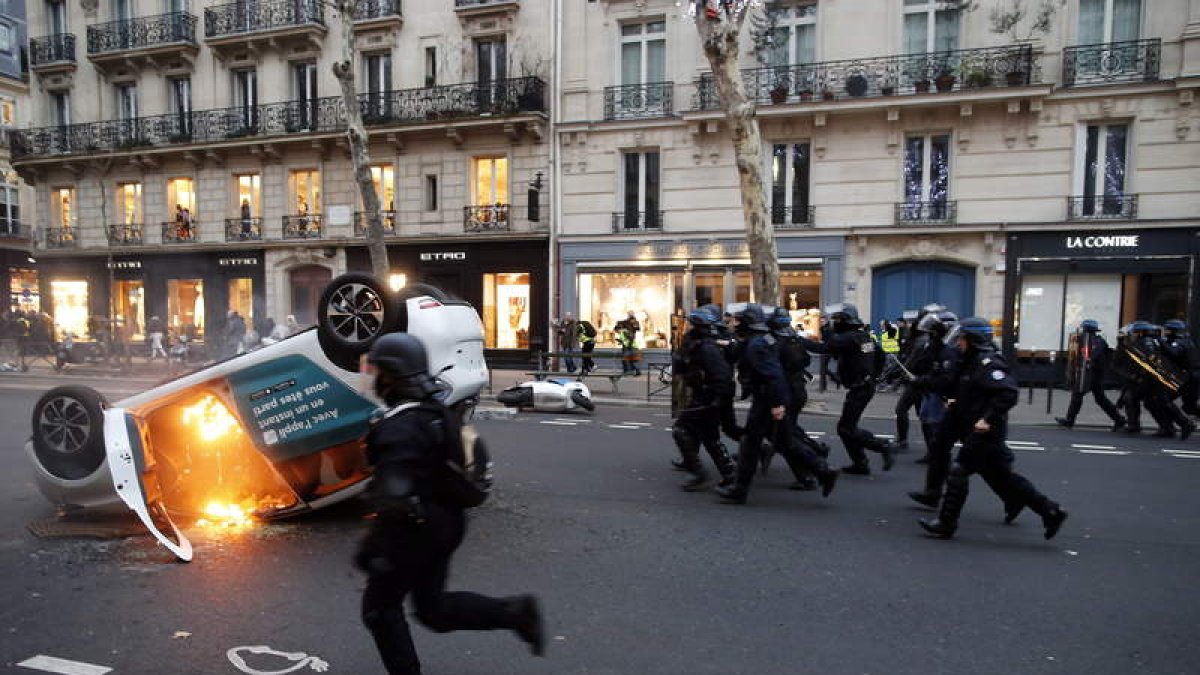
(603, 282)
(505, 280)
(20, 277)
(190, 293)
(1055, 280)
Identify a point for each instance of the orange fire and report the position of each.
(211, 418)
(226, 516)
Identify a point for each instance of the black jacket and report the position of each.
(702, 364)
(408, 452)
(795, 359)
(859, 358)
(984, 388)
(764, 374)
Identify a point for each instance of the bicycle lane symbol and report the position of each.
(298, 660)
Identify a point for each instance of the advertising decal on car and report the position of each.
(294, 407)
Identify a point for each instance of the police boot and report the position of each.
(1064, 422)
(946, 523)
(1186, 428)
(732, 494)
(765, 456)
(857, 469)
(723, 461)
(803, 484)
(1053, 521)
(527, 622)
(827, 478)
(1012, 510)
(928, 498)
(697, 481)
(1118, 424)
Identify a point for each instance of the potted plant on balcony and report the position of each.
(779, 93)
(828, 94)
(977, 77)
(888, 87)
(945, 79)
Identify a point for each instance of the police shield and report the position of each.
(1079, 363)
(1132, 362)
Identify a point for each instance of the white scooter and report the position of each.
(552, 395)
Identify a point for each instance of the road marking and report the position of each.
(50, 664)
(572, 421)
(623, 426)
(1181, 452)
(815, 434)
(1024, 443)
(1182, 456)
(297, 659)
(1103, 452)
(636, 424)
(1035, 448)
(558, 423)
(1081, 446)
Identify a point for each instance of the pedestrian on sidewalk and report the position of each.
(1087, 363)
(629, 354)
(985, 391)
(156, 329)
(587, 343)
(419, 523)
(567, 332)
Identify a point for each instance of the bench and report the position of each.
(613, 376)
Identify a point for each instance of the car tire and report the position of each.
(355, 310)
(582, 401)
(68, 431)
(417, 290)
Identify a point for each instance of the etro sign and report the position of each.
(1104, 241)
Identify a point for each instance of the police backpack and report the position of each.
(465, 480)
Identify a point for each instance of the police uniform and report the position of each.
(1093, 350)
(702, 366)
(1146, 390)
(791, 441)
(1180, 348)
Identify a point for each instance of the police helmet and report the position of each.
(1175, 325)
(1089, 326)
(751, 317)
(713, 310)
(700, 317)
(1140, 326)
(402, 366)
(780, 318)
(933, 308)
(930, 323)
(947, 317)
(843, 315)
(976, 331)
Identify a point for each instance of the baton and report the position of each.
(907, 373)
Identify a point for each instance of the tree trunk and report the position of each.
(356, 135)
(720, 41)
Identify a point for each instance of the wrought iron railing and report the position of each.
(492, 218)
(386, 218)
(14, 229)
(179, 232)
(633, 221)
(365, 10)
(637, 101)
(791, 217)
(243, 229)
(58, 48)
(959, 70)
(303, 226)
(61, 237)
(502, 97)
(141, 33)
(1102, 207)
(470, 4)
(1132, 61)
(125, 234)
(259, 15)
(931, 212)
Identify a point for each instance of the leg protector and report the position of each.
(958, 485)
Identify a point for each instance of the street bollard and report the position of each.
(1050, 383)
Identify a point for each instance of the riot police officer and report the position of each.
(708, 376)
(859, 360)
(984, 391)
(1179, 346)
(767, 385)
(918, 357)
(1087, 372)
(1147, 388)
(418, 526)
(731, 348)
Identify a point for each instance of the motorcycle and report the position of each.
(553, 395)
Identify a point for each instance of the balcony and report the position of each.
(637, 221)
(243, 229)
(52, 54)
(179, 232)
(251, 24)
(1112, 63)
(369, 14)
(791, 217)
(387, 219)
(939, 212)
(485, 7)
(125, 234)
(639, 101)
(61, 237)
(486, 218)
(1102, 207)
(455, 101)
(11, 228)
(303, 226)
(153, 39)
(964, 70)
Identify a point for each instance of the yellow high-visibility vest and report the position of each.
(891, 345)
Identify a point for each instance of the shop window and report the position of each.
(249, 194)
(1102, 166)
(794, 36)
(383, 176)
(63, 208)
(129, 308)
(710, 288)
(743, 287)
(926, 177)
(305, 187)
(129, 203)
(606, 298)
(181, 199)
(491, 181)
(241, 298)
(10, 205)
(506, 310)
(930, 26)
(1052, 305)
(69, 300)
(8, 112)
(23, 290)
(640, 188)
(185, 307)
(801, 291)
(789, 183)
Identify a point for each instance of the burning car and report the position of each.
(271, 433)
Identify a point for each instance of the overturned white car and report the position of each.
(273, 432)
(552, 395)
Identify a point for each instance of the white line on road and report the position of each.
(575, 421)
(1082, 446)
(1036, 448)
(636, 424)
(1103, 452)
(1182, 456)
(1181, 452)
(1023, 443)
(623, 426)
(50, 664)
(558, 423)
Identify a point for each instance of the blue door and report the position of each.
(912, 285)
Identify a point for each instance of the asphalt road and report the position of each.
(640, 578)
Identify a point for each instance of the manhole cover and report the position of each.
(112, 528)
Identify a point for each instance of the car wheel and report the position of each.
(582, 401)
(355, 310)
(418, 289)
(516, 397)
(68, 431)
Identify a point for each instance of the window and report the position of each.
(306, 192)
(1102, 168)
(185, 307)
(7, 38)
(56, 17)
(640, 191)
(491, 181)
(378, 74)
(23, 289)
(431, 66)
(431, 192)
(10, 206)
(122, 10)
(930, 26)
(8, 112)
(179, 103)
(606, 298)
(491, 60)
(794, 38)
(249, 194)
(241, 298)
(129, 203)
(1102, 21)
(129, 307)
(643, 52)
(60, 109)
(506, 310)
(69, 302)
(789, 183)
(181, 197)
(245, 96)
(127, 104)
(63, 208)
(384, 178)
(304, 94)
(926, 177)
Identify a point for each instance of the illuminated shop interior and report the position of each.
(506, 310)
(70, 301)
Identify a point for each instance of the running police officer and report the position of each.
(916, 354)
(1180, 348)
(1089, 366)
(985, 392)
(1150, 389)
(732, 349)
(707, 374)
(418, 526)
(858, 362)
